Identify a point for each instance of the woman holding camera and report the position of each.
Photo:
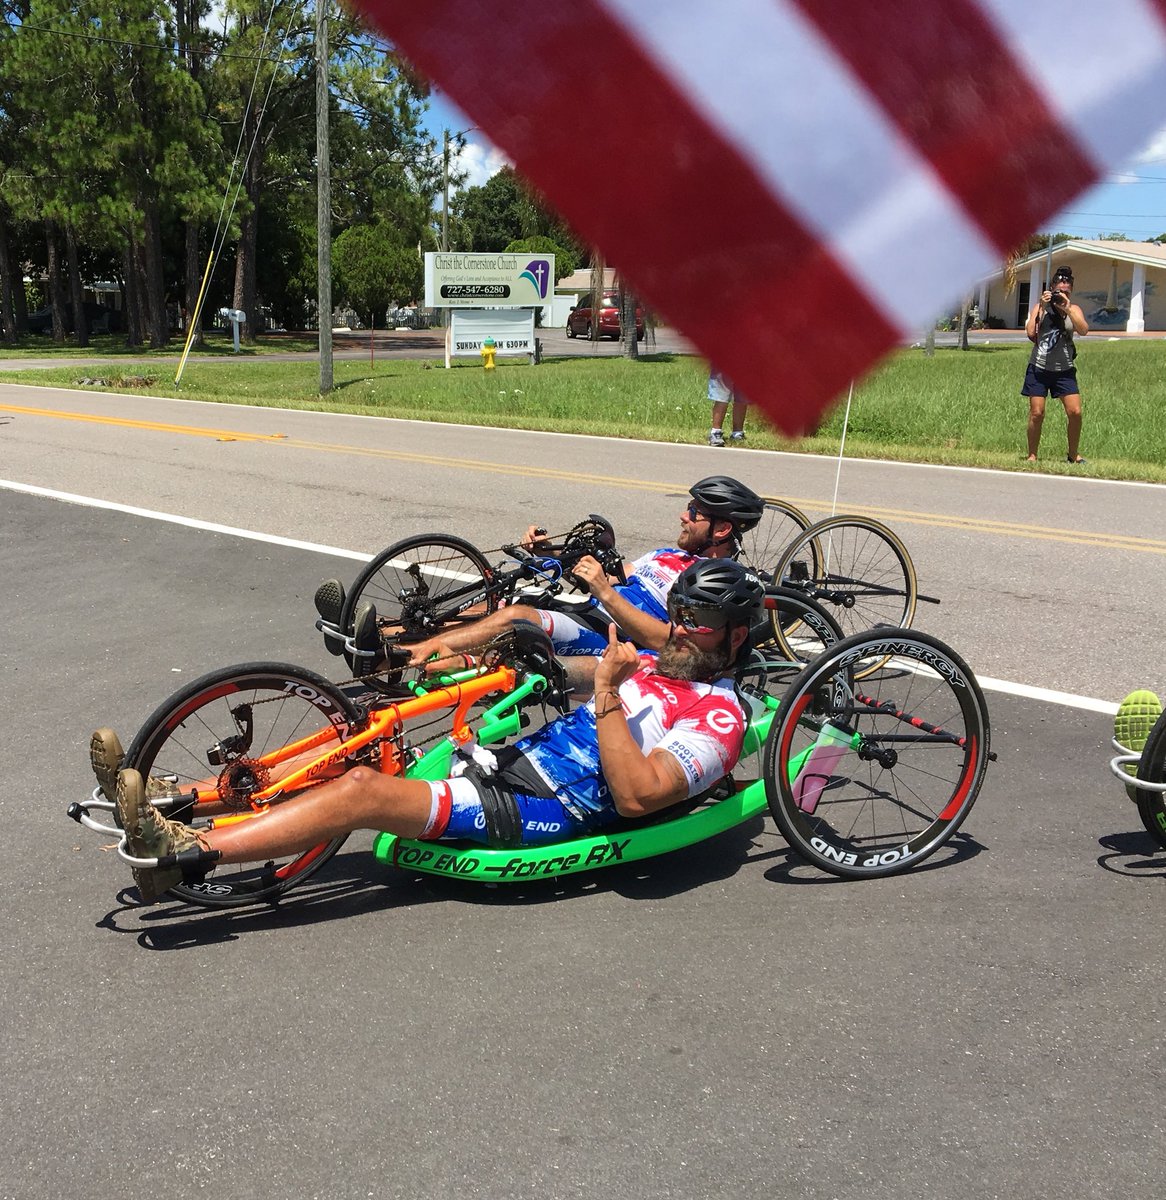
(1051, 327)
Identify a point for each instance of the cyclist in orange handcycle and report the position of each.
(655, 732)
(711, 525)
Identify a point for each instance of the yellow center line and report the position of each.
(154, 426)
(1110, 541)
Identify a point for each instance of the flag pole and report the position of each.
(841, 447)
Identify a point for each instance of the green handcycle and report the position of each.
(869, 762)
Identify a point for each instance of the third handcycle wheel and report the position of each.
(764, 544)
(878, 754)
(220, 737)
(856, 568)
(423, 584)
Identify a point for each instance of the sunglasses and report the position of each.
(696, 620)
(694, 514)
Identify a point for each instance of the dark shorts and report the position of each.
(1050, 383)
(540, 819)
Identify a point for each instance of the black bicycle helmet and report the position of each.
(717, 592)
(729, 499)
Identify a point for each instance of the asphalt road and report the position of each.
(719, 1022)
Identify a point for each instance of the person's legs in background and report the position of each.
(1036, 418)
(1072, 404)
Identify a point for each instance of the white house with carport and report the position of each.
(1119, 286)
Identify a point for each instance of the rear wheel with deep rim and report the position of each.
(1152, 769)
(878, 753)
(423, 584)
(220, 737)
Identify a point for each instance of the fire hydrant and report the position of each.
(489, 349)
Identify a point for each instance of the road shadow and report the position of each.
(793, 870)
(356, 884)
(1135, 854)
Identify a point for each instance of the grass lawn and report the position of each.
(114, 346)
(959, 407)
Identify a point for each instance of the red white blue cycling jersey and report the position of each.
(701, 724)
(651, 579)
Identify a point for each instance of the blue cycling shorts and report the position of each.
(456, 814)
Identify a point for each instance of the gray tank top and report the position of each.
(1055, 349)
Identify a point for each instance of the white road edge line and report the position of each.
(1023, 690)
(189, 522)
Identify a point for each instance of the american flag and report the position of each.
(833, 172)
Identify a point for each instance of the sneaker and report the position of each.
(366, 635)
(150, 835)
(329, 601)
(105, 757)
(716, 438)
(1136, 716)
(738, 435)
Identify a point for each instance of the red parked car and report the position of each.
(579, 319)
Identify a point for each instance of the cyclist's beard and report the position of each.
(690, 664)
(701, 546)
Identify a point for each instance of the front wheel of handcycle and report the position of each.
(423, 584)
(1152, 770)
(225, 737)
(878, 753)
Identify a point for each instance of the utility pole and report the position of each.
(323, 201)
(445, 194)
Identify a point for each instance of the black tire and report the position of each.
(450, 569)
(570, 331)
(916, 745)
(856, 568)
(770, 669)
(1152, 769)
(175, 743)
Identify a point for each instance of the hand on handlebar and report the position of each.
(589, 573)
(535, 539)
(436, 657)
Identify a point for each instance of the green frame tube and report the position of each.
(460, 860)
